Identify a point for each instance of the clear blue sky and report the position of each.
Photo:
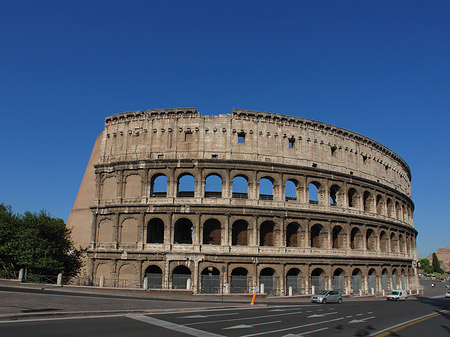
(379, 68)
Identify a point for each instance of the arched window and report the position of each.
(371, 242)
(338, 237)
(379, 204)
(154, 276)
(211, 232)
(333, 195)
(316, 233)
(290, 190)
(240, 187)
(355, 239)
(383, 242)
(239, 281)
(398, 210)
(210, 282)
(357, 280)
(394, 243)
(155, 231)
(183, 231)
(180, 277)
(294, 281)
(213, 186)
(372, 280)
(314, 192)
(367, 201)
(266, 234)
(239, 233)
(390, 207)
(352, 198)
(318, 279)
(293, 235)
(158, 186)
(186, 186)
(265, 189)
(339, 280)
(267, 277)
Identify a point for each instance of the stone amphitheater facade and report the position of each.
(172, 199)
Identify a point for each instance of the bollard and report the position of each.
(21, 275)
(59, 282)
(313, 290)
(188, 284)
(290, 291)
(145, 283)
(253, 299)
(372, 291)
(383, 293)
(262, 288)
(102, 281)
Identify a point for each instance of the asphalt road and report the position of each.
(203, 316)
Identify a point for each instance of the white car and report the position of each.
(447, 294)
(397, 295)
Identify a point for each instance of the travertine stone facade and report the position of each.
(230, 202)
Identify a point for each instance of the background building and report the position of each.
(229, 202)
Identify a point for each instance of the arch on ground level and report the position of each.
(394, 279)
(318, 280)
(317, 236)
(158, 186)
(268, 278)
(266, 188)
(293, 235)
(186, 185)
(103, 269)
(313, 192)
(357, 280)
(290, 190)
(210, 280)
(180, 277)
(212, 232)
(240, 187)
(294, 281)
(371, 241)
(372, 280)
(153, 273)
(239, 233)
(402, 279)
(239, 280)
(385, 280)
(128, 277)
(183, 231)
(213, 186)
(155, 231)
(267, 234)
(339, 280)
(338, 237)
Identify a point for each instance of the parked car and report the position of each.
(327, 296)
(397, 295)
(447, 294)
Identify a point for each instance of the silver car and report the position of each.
(327, 296)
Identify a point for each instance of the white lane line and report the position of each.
(321, 315)
(246, 326)
(172, 326)
(245, 318)
(360, 320)
(304, 333)
(59, 318)
(293, 327)
(205, 316)
(359, 314)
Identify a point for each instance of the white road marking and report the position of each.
(359, 314)
(294, 327)
(348, 316)
(246, 318)
(321, 315)
(305, 333)
(204, 316)
(60, 318)
(172, 326)
(360, 320)
(245, 326)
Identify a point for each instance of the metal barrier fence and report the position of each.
(210, 284)
(154, 280)
(179, 281)
(239, 284)
(270, 284)
(9, 275)
(318, 282)
(339, 283)
(295, 282)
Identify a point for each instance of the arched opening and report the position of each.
(313, 190)
(265, 189)
(183, 231)
(403, 280)
(352, 198)
(401, 243)
(180, 277)
(186, 186)
(213, 186)
(158, 186)
(210, 283)
(355, 238)
(267, 277)
(357, 281)
(394, 243)
(212, 232)
(379, 204)
(316, 236)
(339, 280)
(383, 242)
(385, 280)
(398, 210)
(239, 233)
(293, 235)
(390, 207)
(154, 276)
(394, 280)
(155, 231)
(239, 281)
(338, 237)
(240, 187)
(293, 280)
(318, 280)
(290, 190)
(372, 281)
(371, 241)
(367, 201)
(266, 233)
(333, 195)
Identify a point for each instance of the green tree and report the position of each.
(436, 264)
(38, 242)
(427, 267)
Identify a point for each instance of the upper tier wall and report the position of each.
(251, 136)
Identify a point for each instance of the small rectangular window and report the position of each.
(291, 143)
(214, 156)
(241, 137)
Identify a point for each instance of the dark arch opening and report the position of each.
(183, 231)
(155, 231)
(212, 232)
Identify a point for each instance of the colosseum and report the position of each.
(243, 202)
